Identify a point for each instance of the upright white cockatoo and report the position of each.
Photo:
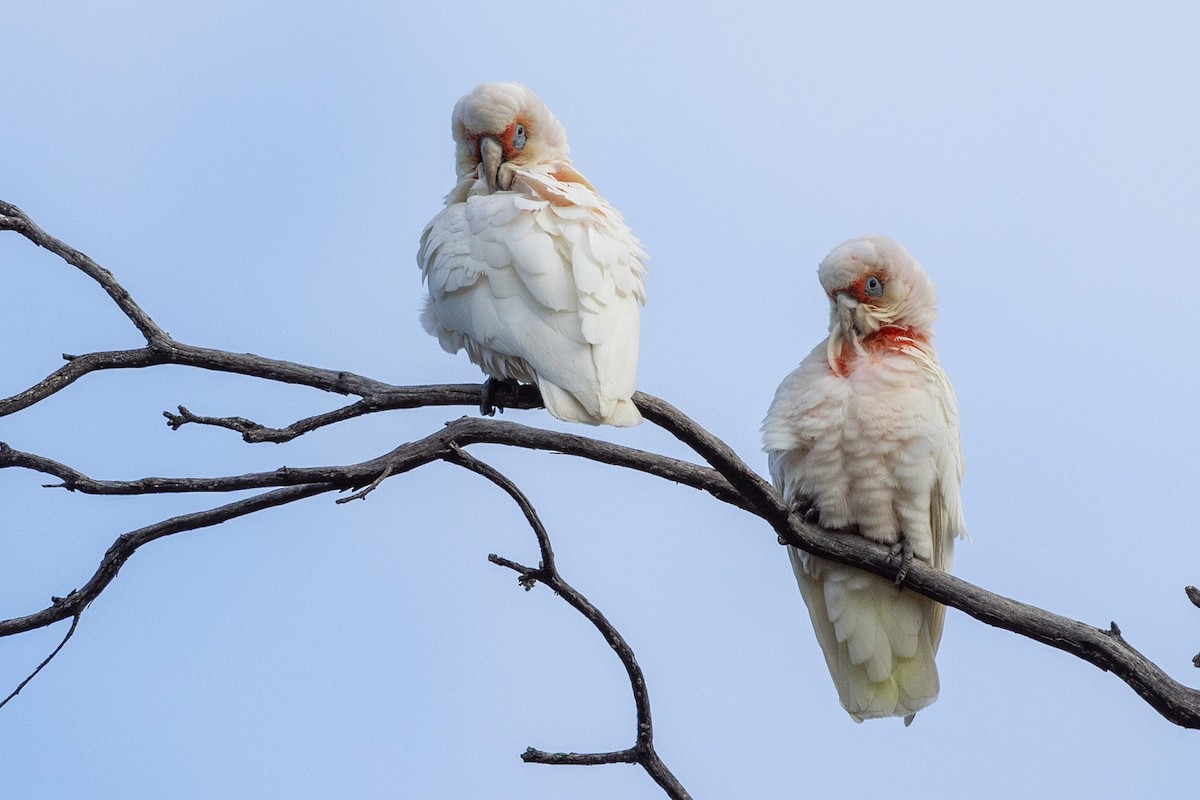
(863, 438)
(528, 268)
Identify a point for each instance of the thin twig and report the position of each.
(462, 458)
(45, 661)
(391, 398)
(370, 487)
(253, 432)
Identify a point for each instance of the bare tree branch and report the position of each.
(75, 368)
(14, 219)
(535, 756)
(127, 544)
(45, 661)
(254, 432)
(378, 396)
(642, 752)
(370, 487)
(727, 479)
(463, 432)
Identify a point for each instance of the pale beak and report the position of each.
(491, 156)
(847, 311)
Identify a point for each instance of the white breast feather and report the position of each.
(876, 452)
(540, 284)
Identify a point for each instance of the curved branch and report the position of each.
(14, 219)
(642, 752)
(127, 544)
(169, 351)
(75, 368)
(760, 494)
(1105, 649)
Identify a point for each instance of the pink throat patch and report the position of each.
(888, 339)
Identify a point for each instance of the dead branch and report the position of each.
(77, 600)
(1106, 649)
(726, 478)
(461, 432)
(642, 752)
(45, 661)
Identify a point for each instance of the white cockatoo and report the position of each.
(863, 438)
(528, 268)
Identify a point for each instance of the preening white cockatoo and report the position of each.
(863, 438)
(528, 268)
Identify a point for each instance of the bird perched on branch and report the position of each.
(528, 268)
(862, 438)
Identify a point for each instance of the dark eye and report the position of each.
(873, 287)
(518, 139)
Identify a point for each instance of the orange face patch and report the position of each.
(858, 289)
(505, 137)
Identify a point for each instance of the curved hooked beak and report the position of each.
(491, 156)
(847, 314)
(843, 332)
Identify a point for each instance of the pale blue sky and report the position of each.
(258, 174)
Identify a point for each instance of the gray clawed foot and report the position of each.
(522, 395)
(808, 511)
(487, 400)
(903, 551)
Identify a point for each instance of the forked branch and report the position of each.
(723, 475)
(642, 752)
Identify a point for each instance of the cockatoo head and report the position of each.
(502, 127)
(873, 283)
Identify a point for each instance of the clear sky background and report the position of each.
(258, 175)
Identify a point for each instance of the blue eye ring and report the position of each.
(518, 138)
(873, 286)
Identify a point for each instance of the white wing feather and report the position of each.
(540, 284)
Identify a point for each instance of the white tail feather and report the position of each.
(878, 640)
